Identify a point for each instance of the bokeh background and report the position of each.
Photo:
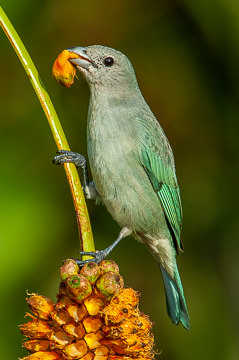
(186, 56)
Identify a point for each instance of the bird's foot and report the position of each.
(66, 156)
(98, 256)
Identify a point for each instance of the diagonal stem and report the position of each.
(83, 221)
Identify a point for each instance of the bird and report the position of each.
(132, 166)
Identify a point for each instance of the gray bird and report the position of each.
(132, 165)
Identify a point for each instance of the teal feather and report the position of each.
(164, 182)
(163, 179)
(175, 300)
(170, 199)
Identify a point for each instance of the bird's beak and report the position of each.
(83, 61)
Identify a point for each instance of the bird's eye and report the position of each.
(109, 61)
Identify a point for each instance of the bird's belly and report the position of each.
(126, 191)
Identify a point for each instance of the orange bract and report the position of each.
(105, 323)
(63, 71)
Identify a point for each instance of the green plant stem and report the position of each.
(86, 237)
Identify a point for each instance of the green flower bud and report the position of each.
(109, 284)
(91, 270)
(69, 268)
(78, 287)
(108, 265)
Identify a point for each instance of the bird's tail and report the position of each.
(176, 304)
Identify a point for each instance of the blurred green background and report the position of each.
(186, 56)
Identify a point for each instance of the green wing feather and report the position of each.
(161, 173)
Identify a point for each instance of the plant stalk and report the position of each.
(83, 221)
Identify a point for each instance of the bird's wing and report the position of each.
(160, 169)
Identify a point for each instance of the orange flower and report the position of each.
(95, 318)
(40, 306)
(36, 329)
(43, 355)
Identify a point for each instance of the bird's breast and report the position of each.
(119, 177)
(110, 150)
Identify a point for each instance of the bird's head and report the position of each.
(104, 68)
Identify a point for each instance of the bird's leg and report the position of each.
(100, 255)
(66, 156)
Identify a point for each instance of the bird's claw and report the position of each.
(66, 156)
(98, 256)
